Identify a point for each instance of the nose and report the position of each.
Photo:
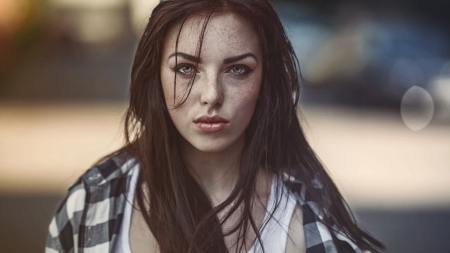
(212, 92)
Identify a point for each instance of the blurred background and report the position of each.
(375, 103)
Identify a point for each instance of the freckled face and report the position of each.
(227, 83)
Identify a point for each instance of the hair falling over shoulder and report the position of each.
(179, 213)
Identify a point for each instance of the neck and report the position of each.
(216, 172)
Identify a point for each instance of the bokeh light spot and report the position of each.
(417, 108)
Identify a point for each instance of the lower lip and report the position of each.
(211, 127)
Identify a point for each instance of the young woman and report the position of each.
(215, 160)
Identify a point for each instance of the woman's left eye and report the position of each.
(239, 70)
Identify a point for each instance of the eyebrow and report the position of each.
(239, 57)
(225, 61)
(185, 56)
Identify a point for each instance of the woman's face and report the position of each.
(226, 87)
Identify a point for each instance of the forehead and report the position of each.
(227, 32)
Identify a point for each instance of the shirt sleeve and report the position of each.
(318, 236)
(64, 228)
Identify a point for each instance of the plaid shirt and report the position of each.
(90, 218)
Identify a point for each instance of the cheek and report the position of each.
(167, 82)
(244, 100)
(250, 92)
(248, 97)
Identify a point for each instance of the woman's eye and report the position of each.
(239, 70)
(185, 69)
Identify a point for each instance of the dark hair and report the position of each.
(180, 215)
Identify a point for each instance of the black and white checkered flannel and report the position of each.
(90, 217)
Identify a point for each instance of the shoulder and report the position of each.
(318, 235)
(93, 201)
(105, 173)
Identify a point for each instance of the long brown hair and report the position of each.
(180, 215)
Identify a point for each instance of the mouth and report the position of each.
(210, 119)
(211, 124)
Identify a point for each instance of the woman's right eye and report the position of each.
(185, 69)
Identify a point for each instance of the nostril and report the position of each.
(212, 93)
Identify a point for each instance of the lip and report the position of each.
(211, 124)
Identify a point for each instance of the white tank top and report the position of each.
(273, 236)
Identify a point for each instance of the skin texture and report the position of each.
(228, 90)
(227, 83)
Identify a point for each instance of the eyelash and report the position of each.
(245, 69)
(184, 65)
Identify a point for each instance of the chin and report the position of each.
(215, 145)
(212, 145)
(214, 148)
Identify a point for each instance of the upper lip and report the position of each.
(210, 119)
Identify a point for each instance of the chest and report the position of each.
(272, 217)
